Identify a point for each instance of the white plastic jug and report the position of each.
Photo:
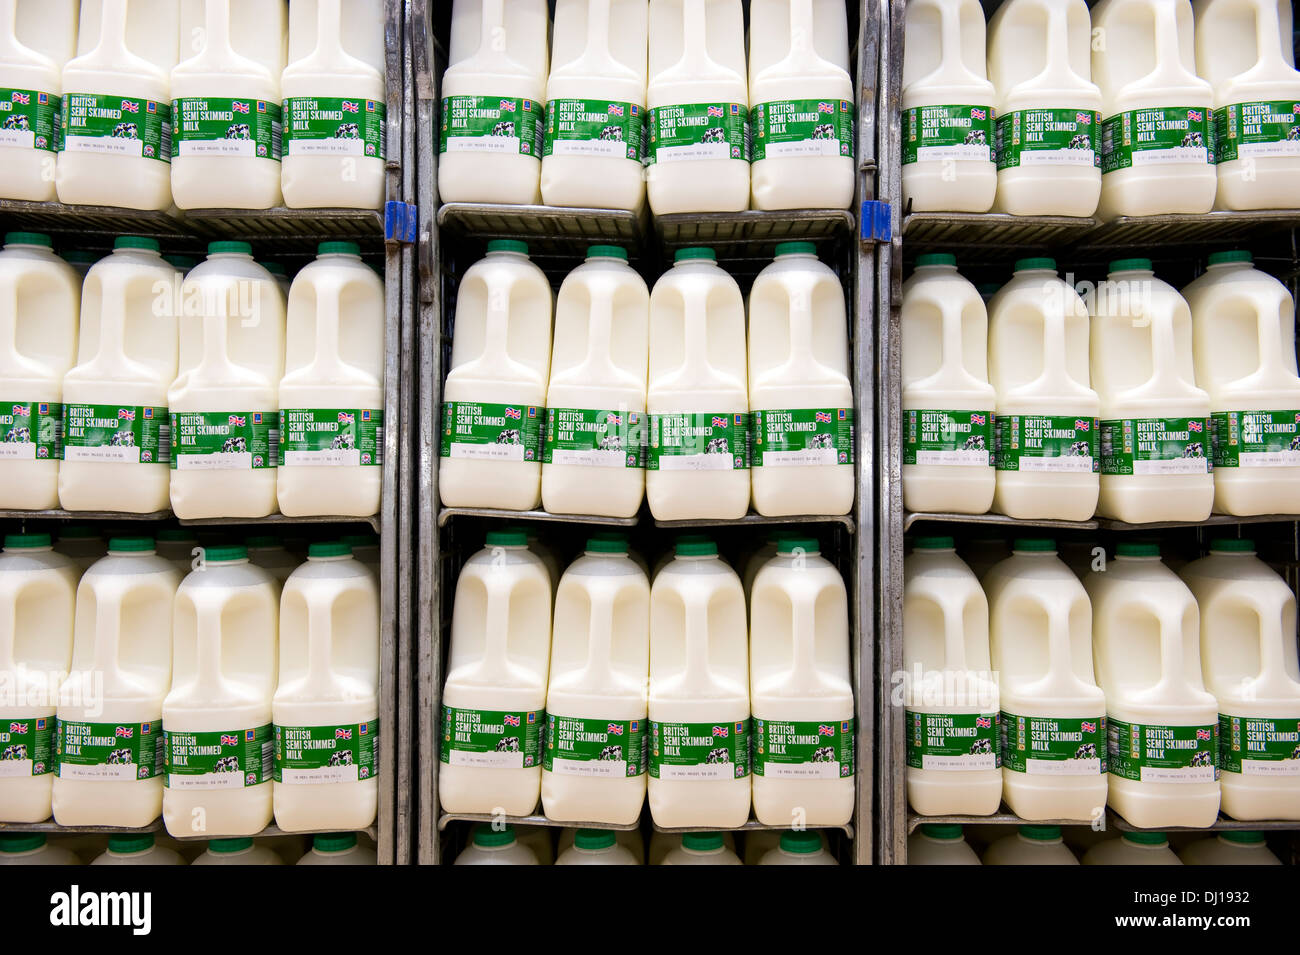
(629, 839)
(364, 26)
(949, 689)
(1162, 727)
(81, 260)
(240, 851)
(30, 848)
(593, 451)
(224, 402)
(277, 272)
(596, 847)
(493, 846)
(117, 440)
(494, 700)
(1248, 655)
(30, 110)
(152, 29)
(947, 103)
(758, 842)
(802, 105)
(326, 704)
(49, 27)
(1133, 848)
(1045, 439)
(269, 553)
(177, 544)
(1053, 714)
(258, 30)
(38, 596)
(137, 849)
(798, 847)
(1157, 146)
(701, 848)
(1030, 845)
(365, 548)
(108, 738)
(493, 98)
(799, 391)
(40, 297)
(1231, 847)
(934, 844)
(662, 843)
(760, 556)
(1243, 345)
(332, 393)
(1156, 443)
(698, 463)
(338, 848)
(698, 129)
(947, 400)
(494, 399)
(700, 745)
(80, 543)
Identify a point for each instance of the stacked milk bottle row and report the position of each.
(1002, 702)
(144, 848)
(1196, 403)
(218, 699)
(191, 102)
(663, 687)
(139, 389)
(698, 136)
(649, 394)
(1149, 107)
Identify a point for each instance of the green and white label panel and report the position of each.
(803, 749)
(211, 126)
(699, 751)
(939, 133)
(1057, 137)
(1053, 746)
(948, 742)
(1156, 446)
(1152, 753)
(118, 125)
(492, 432)
(804, 127)
(30, 119)
(225, 441)
(133, 434)
(311, 755)
(601, 748)
(492, 739)
(1256, 439)
(334, 126)
(598, 128)
(802, 437)
(592, 438)
(31, 430)
(1175, 134)
(696, 131)
(110, 751)
(1259, 130)
(1258, 746)
(332, 437)
(223, 760)
(1059, 443)
(26, 747)
(699, 442)
(951, 438)
(491, 124)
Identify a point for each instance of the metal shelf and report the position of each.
(752, 234)
(915, 820)
(1211, 228)
(373, 520)
(996, 520)
(1113, 821)
(991, 232)
(1100, 523)
(90, 224)
(1223, 823)
(59, 514)
(447, 513)
(534, 820)
(753, 825)
(281, 224)
(1214, 520)
(758, 520)
(549, 230)
(50, 826)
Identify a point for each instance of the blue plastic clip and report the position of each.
(877, 221)
(400, 222)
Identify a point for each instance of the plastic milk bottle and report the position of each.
(30, 112)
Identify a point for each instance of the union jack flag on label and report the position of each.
(513, 413)
(229, 740)
(129, 107)
(824, 417)
(351, 107)
(1082, 424)
(125, 732)
(714, 111)
(343, 733)
(614, 729)
(824, 730)
(983, 722)
(510, 720)
(239, 107)
(22, 99)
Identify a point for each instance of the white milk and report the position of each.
(939, 845)
(799, 391)
(950, 693)
(117, 436)
(1133, 848)
(109, 745)
(117, 126)
(237, 852)
(328, 690)
(1248, 656)
(49, 27)
(493, 99)
(494, 700)
(1155, 423)
(29, 848)
(1243, 344)
(82, 544)
(177, 544)
(948, 123)
(798, 848)
(699, 692)
(1157, 123)
(595, 106)
(270, 554)
(1162, 726)
(800, 689)
(334, 118)
(38, 596)
(596, 847)
(698, 464)
(758, 842)
(760, 556)
(29, 104)
(494, 399)
(629, 839)
(258, 30)
(1046, 447)
(224, 402)
(947, 399)
(338, 848)
(662, 843)
(40, 296)
(701, 848)
(363, 33)
(593, 450)
(803, 107)
(698, 126)
(491, 846)
(1243, 48)
(1053, 714)
(1233, 847)
(137, 849)
(1030, 845)
(332, 392)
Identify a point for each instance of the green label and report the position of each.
(689, 751)
(331, 437)
(803, 127)
(333, 126)
(1057, 137)
(589, 127)
(491, 432)
(804, 749)
(802, 437)
(491, 124)
(698, 131)
(699, 442)
(30, 119)
(595, 439)
(26, 747)
(309, 755)
(117, 751)
(1046, 443)
(229, 760)
(953, 742)
(1258, 130)
(1254, 745)
(1173, 134)
(492, 739)
(1256, 439)
(1155, 446)
(1050, 746)
(225, 441)
(954, 438)
(31, 430)
(135, 434)
(227, 127)
(122, 126)
(582, 747)
(1162, 754)
(939, 133)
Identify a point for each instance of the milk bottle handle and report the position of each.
(10, 45)
(950, 39)
(496, 329)
(1268, 44)
(216, 26)
(1060, 660)
(803, 638)
(800, 335)
(596, 56)
(8, 663)
(695, 637)
(496, 622)
(1272, 658)
(598, 670)
(1164, 370)
(112, 325)
(695, 49)
(953, 364)
(695, 330)
(108, 630)
(329, 290)
(208, 638)
(9, 330)
(1165, 29)
(1171, 646)
(112, 27)
(1054, 364)
(320, 656)
(1058, 39)
(1271, 366)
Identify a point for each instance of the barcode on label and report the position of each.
(164, 444)
(277, 136)
(379, 445)
(273, 445)
(268, 759)
(165, 142)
